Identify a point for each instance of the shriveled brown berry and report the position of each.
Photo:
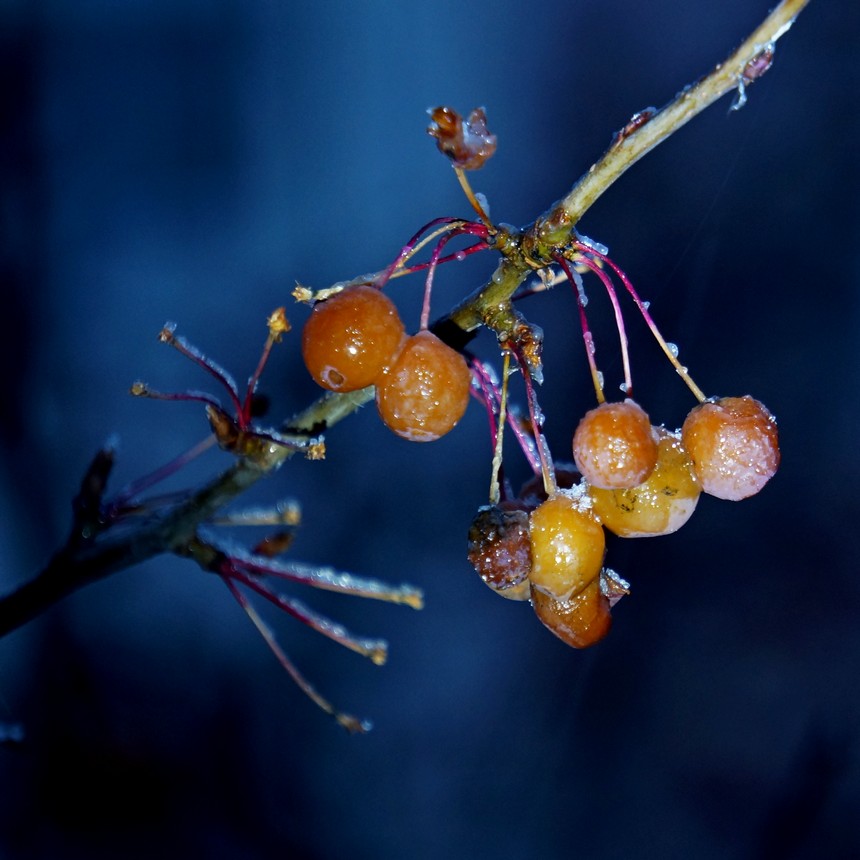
(734, 445)
(613, 445)
(350, 338)
(662, 503)
(567, 547)
(426, 391)
(500, 550)
(580, 621)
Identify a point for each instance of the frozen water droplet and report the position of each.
(623, 387)
(580, 287)
(498, 276)
(590, 243)
(646, 305)
(600, 378)
(673, 348)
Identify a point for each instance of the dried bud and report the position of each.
(467, 143)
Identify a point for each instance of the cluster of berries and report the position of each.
(635, 480)
(547, 544)
(356, 338)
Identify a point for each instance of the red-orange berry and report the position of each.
(425, 392)
(661, 504)
(567, 547)
(351, 337)
(580, 621)
(734, 445)
(500, 550)
(613, 446)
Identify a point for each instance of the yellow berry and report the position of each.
(567, 547)
(661, 504)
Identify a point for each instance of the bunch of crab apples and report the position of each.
(637, 480)
(356, 338)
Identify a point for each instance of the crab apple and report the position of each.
(425, 392)
(734, 445)
(613, 446)
(579, 621)
(567, 547)
(350, 338)
(662, 503)
(500, 550)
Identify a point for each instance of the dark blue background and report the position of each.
(190, 161)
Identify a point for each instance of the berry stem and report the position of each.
(587, 336)
(374, 649)
(547, 468)
(328, 579)
(619, 321)
(167, 335)
(495, 487)
(431, 272)
(135, 488)
(350, 723)
(472, 198)
(277, 325)
(646, 315)
(414, 245)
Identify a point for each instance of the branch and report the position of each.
(533, 247)
(96, 549)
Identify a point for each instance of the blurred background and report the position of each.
(191, 161)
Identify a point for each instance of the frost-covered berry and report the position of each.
(734, 445)
(613, 446)
(425, 392)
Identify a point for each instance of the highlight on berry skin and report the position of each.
(734, 446)
(350, 338)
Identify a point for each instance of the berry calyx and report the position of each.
(500, 550)
(425, 392)
(350, 338)
(580, 621)
(567, 547)
(734, 445)
(613, 446)
(661, 504)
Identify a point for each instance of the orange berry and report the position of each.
(734, 445)
(500, 550)
(661, 504)
(425, 392)
(351, 337)
(567, 547)
(580, 621)
(613, 446)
